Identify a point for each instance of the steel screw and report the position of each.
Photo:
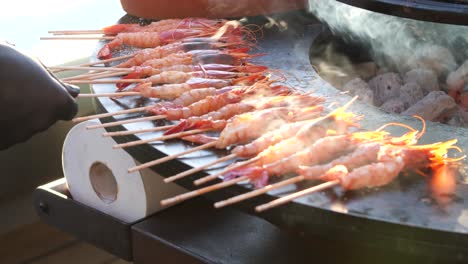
(44, 207)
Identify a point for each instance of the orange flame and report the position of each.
(443, 184)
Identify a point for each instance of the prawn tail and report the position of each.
(106, 51)
(257, 175)
(133, 75)
(189, 125)
(182, 126)
(200, 139)
(121, 86)
(115, 29)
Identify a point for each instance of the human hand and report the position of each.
(31, 98)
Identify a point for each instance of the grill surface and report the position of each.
(402, 212)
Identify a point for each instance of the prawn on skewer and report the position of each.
(280, 159)
(278, 97)
(390, 161)
(171, 91)
(149, 39)
(245, 151)
(229, 32)
(164, 25)
(143, 71)
(249, 126)
(196, 57)
(168, 77)
(278, 113)
(143, 55)
(283, 145)
(260, 121)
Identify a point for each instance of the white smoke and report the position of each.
(392, 39)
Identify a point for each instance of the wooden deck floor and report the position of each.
(38, 243)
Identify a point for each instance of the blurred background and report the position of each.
(38, 161)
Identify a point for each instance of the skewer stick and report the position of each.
(288, 198)
(97, 75)
(146, 118)
(109, 60)
(214, 187)
(92, 95)
(75, 32)
(158, 161)
(226, 170)
(197, 169)
(108, 94)
(127, 111)
(131, 132)
(107, 81)
(108, 74)
(89, 68)
(77, 38)
(257, 192)
(161, 138)
(102, 61)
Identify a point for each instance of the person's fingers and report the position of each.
(73, 90)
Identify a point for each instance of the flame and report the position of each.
(409, 138)
(443, 183)
(369, 136)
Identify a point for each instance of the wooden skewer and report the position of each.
(97, 75)
(288, 198)
(78, 38)
(167, 158)
(226, 170)
(146, 118)
(109, 60)
(197, 169)
(102, 61)
(108, 74)
(161, 138)
(108, 94)
(127, 111)
(107, 81)
(75, 32)
(214, 187)
(131, 132)
(88, 68)
(257, 192)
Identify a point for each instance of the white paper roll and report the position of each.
(97, 176)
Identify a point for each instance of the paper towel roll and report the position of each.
(97, 176)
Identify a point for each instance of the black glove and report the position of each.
(31, 98)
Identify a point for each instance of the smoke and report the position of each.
(393, 40)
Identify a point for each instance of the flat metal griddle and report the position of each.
(401, 216)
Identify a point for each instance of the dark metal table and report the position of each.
(194, 232)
